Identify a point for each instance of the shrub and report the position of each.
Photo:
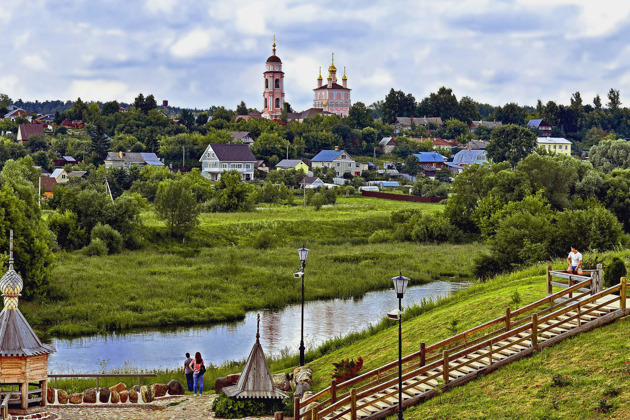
(613, 272)
(380, 236)
(96, 248)
(347, 369)
(487, 266)
(265, 239)
(233, 409)
(110, 237)
(560, 381)
(318, 201)
(421, 227)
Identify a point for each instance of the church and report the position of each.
(329, 98)
(332, 97)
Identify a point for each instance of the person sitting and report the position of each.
(575, 262)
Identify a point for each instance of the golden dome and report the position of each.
(325, 103)
(320, 74)
(332, 67)
(344, 74)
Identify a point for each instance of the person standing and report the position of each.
(199, 369)
(188, 372)
(575, 262)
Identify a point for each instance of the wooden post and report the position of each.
(314, 412)
(296, 408)
(353, 404)
(508, 315)
(44, 386)
(600, 278)
(490, 352)
(278, 415)
(139, 381)
(535, 331)
(56, 387)
(570, 284)
(622, 294)
(549, 285)
(445, 368)
(423, 354)
(579, 310)
(97, 387)
(333, 391)
(24, 390)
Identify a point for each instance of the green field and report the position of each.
(236, 262)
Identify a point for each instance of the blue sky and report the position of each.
(203, 53)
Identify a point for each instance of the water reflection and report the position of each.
(232, 341)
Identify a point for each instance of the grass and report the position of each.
(225, 269)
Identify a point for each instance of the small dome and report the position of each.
(344, 77)
(320, 77)
(274, 59)
(11, 283)
(332, 68)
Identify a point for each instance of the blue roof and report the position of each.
(69, 158)
(534, 123)
(327, 155)
(468, 157)
(453, 165)
(430, 157)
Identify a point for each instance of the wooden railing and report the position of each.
(595, 276)
(440, 354)
(5, 406)
(97, 376)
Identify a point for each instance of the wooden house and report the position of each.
(23, 357)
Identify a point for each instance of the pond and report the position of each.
(279, 330)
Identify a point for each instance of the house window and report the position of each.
(277, 83)
(338, 164)
(248, 166)
(266, 83)
(265, 103)
(237, 166)
(224, 165)
(338, 96)
(277, 103)
(343, 156)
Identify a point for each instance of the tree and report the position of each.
(175, 204)
(597, 102)
(610, 154)
(5, 101)
(58, 118)
(268, 145)
(412, 165)
(467, 110)
(187, 118)
(241, 109)
(360, 116)
(552, 114)
(202, 118)
(110, 108)
(397, 104)
(441, 104)
(100, 143)
(138, 102)
(613, 100)
(511, 113)
(77, 110)
(232, 194)
(511, 143)
(455, 129)
(555, 175)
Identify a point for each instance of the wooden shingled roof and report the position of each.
(255, 380)
(17, 338)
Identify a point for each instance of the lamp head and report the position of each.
(400, 284)
(303, 253)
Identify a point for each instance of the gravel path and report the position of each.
(175, 408)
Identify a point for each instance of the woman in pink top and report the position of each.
(196, 365)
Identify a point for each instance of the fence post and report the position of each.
(508, 314)
(314, 412)
(535, 331)
(579, 310)
(139, 381)
(353, 404)
(490, 353)
(600, 278)
(570, 284)
(97, 387)
(296, 408)
(622, 294)
(56, 387)
(549, 285)
(333, 391)
(423, 355)
(445, 368)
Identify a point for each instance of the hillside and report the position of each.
(592, 362)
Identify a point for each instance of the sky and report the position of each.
(196, 54)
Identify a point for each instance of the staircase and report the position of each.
(463, 357)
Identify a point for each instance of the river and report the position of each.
(279, 329)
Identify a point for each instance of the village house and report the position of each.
(543, 127)
(481, 123)
(242, 137)
(15, 112)
(65, 160)
(556, 145)
(218, 158)
(261, 166)
(477, 145)
(431, 159)
(76, 124)
(296, 164)
(442, 144)
(47, 185)
(60, 176)
(25, 131)
(311, 182)
(128, 159)
(339, 160)
(406, 123)
(387, 145)
(469, 157)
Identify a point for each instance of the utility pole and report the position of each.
(108, 190)
(183, 156)
(39, 198)
(287, 151)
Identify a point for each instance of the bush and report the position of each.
(347, 369)
(317, 201)
(613, 272)
(265, 239)
(487, 266)
(421, 227)
(233, 409)
(96, 248)
(110, 237)
(380, 236)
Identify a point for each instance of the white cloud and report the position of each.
(34, 62)
(160, 6)
(195, 43)
(101, 90)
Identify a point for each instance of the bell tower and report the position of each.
(273, 94)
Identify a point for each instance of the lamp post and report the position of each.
(400, 285)
(303, 253)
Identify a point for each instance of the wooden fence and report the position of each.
(595, 277)
(97, 376)
(401, 197)
(520, 329)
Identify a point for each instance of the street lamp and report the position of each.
(303, 253)
(400, 285)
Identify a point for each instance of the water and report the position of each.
(279, 330)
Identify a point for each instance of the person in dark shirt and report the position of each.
(188, 372)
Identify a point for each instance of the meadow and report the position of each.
(237, 262)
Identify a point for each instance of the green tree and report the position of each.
(232, 194)
(614, 101)
(456, 129)
(511, 113)
(610, 154)
(268, 145)
(360, 116)
(109, 108)
(175, 204)
(511, 143)
(467, 110)
(241, 109)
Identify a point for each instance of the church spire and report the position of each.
(11, 283)
(258, 328)
(274, 44)
(11, 249)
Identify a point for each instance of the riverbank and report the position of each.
(235, 263)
